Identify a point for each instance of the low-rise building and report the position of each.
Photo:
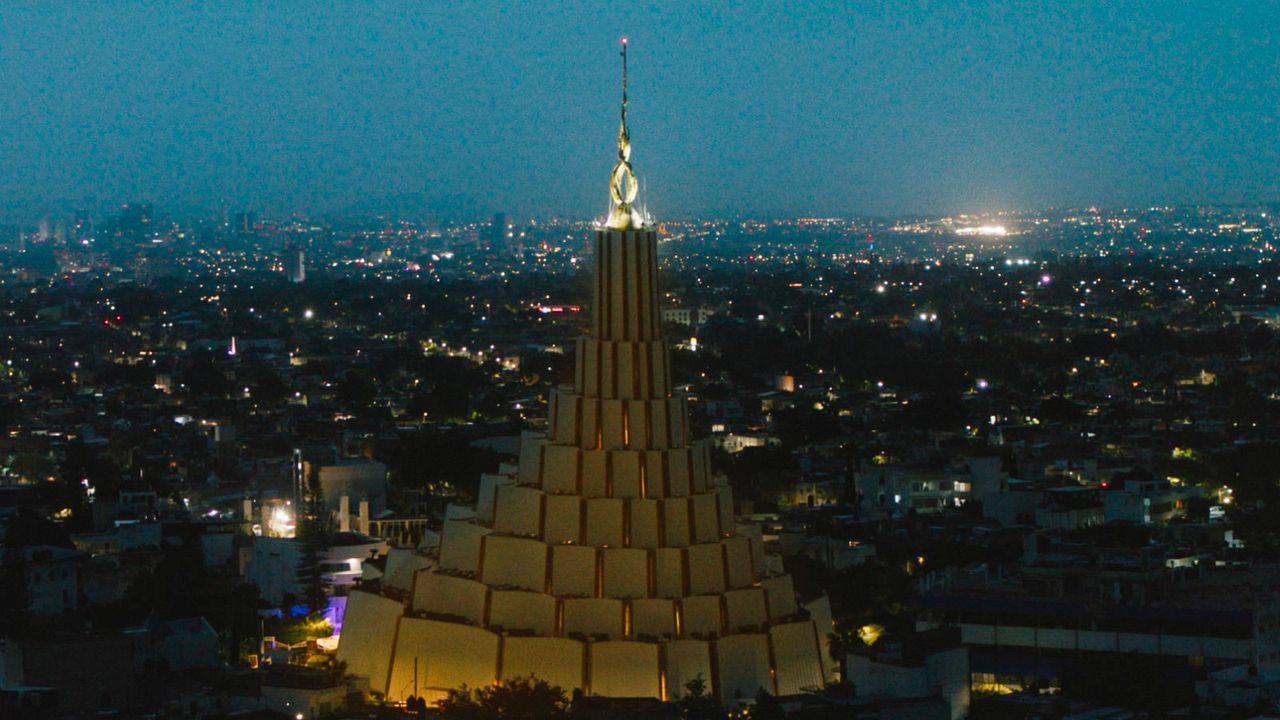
(931, 664)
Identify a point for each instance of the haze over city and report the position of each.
(875, 361)
(745, 109)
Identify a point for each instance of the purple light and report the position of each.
(1044, 279)
(983, 384)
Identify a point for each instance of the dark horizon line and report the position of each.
(198, 215)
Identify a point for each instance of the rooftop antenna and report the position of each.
(622, 185)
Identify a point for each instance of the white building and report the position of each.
(273, 563)
(736, 442)
(1070, 508)
(1147, 501)
(1241, 686)
(898, 490)
(51, 576)
(686, 316)
(941, 673)
(357, 479)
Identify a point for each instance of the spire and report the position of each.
(622, 183)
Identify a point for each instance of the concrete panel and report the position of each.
(700, 616)
(626, 372)
(594, 473)
(782, 596)
(625, 669)
(675, 519)
(658, 426)
(530, 465)
(1235, 649)
(977, 634)
(678, 472)
(523, 610)
(700, 460)
(626, 573)
(611, 423)
(1180, 645)
(573, 571)
(402, 564)
(655, 474)
(1056, 638)
(460, 545)
(706, 518)
(1093, 640)
(626, 474)
(1139, 643)
(512, 562)
(745, 608)
(591, 433)
(686, 660)
(447, 655)
(819, 610)
(556, 660)
(367, 653)
(658, 360)
(738, 554)
(594, 616)
(563, 520)
(488, 494)
(604, 522)
(560, 471)
(676, 414)
(669, 564)
(1020, 636)
(653, 616)
(725, 505)
(565, 413)
(518, 510)
(799, 658)
(451, 595)
(744, 667)
(644, 524)
(608, 383)
(706, 569)
(635, 421)
(588, 355)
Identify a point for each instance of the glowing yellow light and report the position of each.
(869, 634)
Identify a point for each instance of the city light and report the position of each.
(984, 231)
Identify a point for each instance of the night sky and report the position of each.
(753, 109)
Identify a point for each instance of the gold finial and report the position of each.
(622, 184)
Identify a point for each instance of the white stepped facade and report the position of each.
(610, 561)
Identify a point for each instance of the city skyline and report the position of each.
(873, 110)
(962, 467)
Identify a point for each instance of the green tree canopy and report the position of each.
(527, 698)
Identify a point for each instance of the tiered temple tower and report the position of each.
(610, 559)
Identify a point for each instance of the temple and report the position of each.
(609, 560)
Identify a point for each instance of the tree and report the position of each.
(697, 704)
(767, 707)
(314, 536)
(433, 458)
(181, 587)
(527, 698)
(268, 386)
(882, 593)
(355, 390)
(203, 378)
